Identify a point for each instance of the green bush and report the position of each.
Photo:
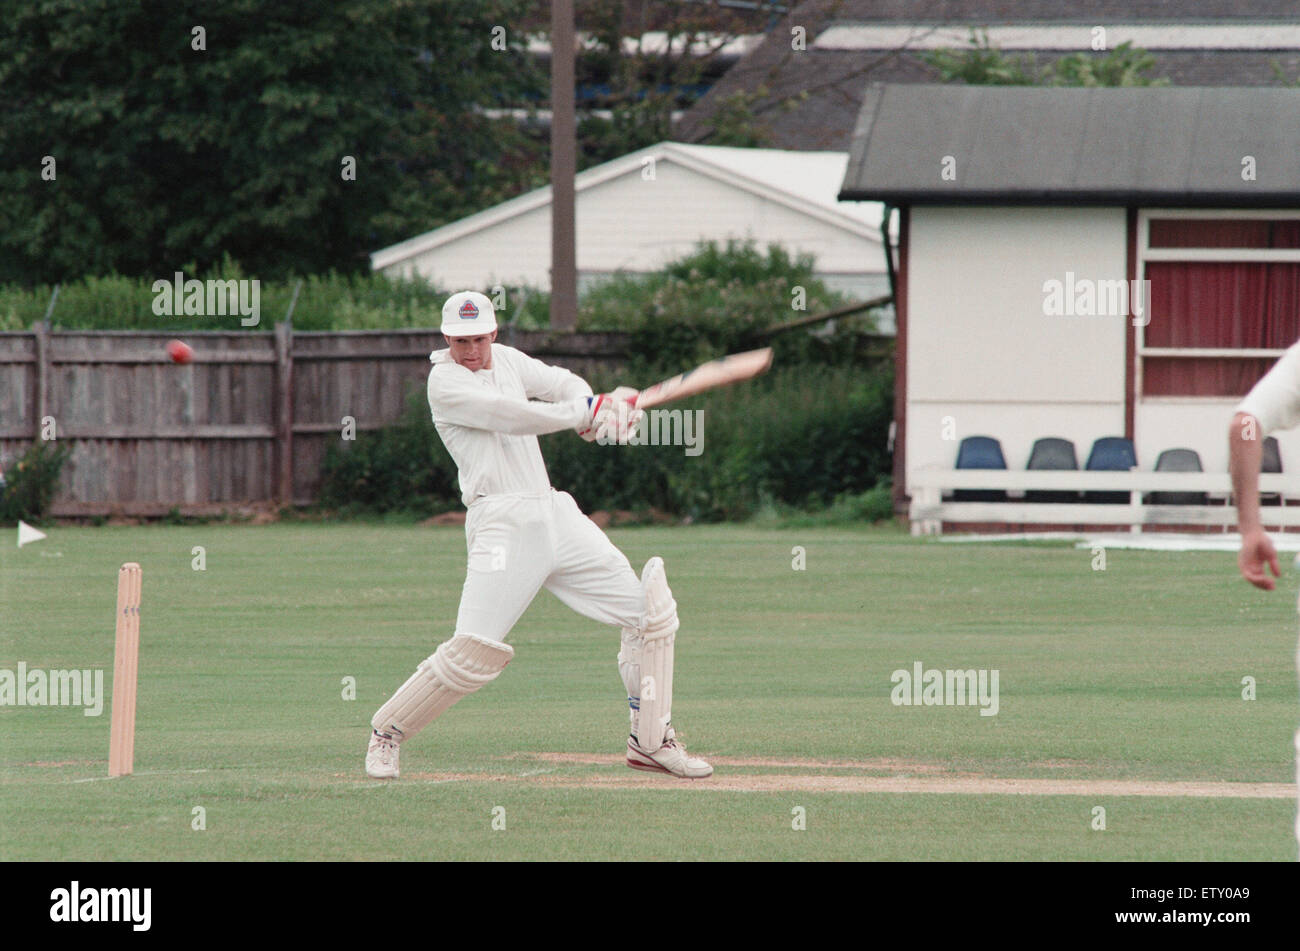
(326, 302)
(31, 483)
(403, 467)
(716, 300)
(869, 507)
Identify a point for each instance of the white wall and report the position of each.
(632, 224)
(635, 224)
(980, 348)
(517, 251)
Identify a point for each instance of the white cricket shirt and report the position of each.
(489, 420)
(1275, 399)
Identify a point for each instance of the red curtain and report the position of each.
(1240, 305)
(1202, 304)
(1223, 233)
(1219, 376)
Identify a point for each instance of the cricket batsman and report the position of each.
(1273, 404)
(489, 403)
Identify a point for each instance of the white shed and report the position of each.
(638, 212)
(1084, 263)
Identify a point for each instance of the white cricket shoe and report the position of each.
(670, 758)
(381, 757)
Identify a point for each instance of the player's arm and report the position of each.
(1272, 404)
(457, 399)
(1245, 450)
(606, 417)
(551, 384)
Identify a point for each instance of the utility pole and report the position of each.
(564, 277)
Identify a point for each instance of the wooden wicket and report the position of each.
(126, 657)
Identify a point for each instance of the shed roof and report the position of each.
(1016, 144)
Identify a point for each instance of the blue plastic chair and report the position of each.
(980, 452)
(1110, 454)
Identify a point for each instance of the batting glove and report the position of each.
(610, 416)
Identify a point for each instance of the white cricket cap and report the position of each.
(467, 314)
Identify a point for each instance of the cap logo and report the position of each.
(468, 311)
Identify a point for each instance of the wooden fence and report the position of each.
(246, 422)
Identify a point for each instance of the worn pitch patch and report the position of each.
(875, 764)
(910, 777)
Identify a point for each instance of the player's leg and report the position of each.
(508, 559)
(595, 579)
(456, 669)
(510, 554)
(654, 746)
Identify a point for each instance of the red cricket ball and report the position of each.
(179, 352)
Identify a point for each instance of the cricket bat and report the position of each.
(721, 372)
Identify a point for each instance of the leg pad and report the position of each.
(652, 698)
(456, 669)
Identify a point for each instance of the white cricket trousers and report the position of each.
(519, 544)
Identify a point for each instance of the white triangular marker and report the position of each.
(28, 534)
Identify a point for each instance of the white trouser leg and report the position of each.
(511, 550)
(595, 579)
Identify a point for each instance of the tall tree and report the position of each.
(643, 62)
(184, 133)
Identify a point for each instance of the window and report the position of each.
(1224, 299)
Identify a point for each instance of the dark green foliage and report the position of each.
(326, 302)
(716, 301)
(169, 155)
(174, 157)
(641, 85)
(709, 303)
(403, 467)
(983, 64)
(735, 123)
(31, 482)
(1122, 66)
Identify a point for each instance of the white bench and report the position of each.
(929, 511)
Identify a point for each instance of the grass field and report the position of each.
(1119, 689)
